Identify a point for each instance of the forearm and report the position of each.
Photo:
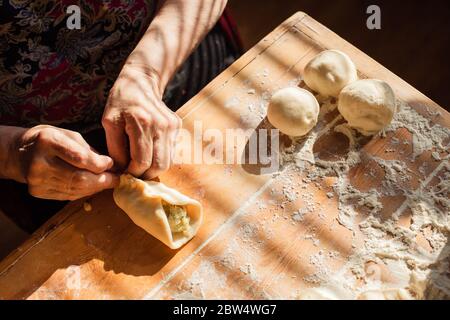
(8, 162)
(176, 30)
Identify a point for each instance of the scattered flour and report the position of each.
(377, 240)
(426, 135)
(420, 273)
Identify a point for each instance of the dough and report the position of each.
(293, 111)
(368, 105)
(329, 72)
(165, 213)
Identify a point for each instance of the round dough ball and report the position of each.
(329, 72)
(293, 111)
(368, 105)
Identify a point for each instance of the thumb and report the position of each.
(106, 180)
(81, 156)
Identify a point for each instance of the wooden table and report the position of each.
(248, 247)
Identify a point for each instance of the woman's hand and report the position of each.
(57, 164)
(140, 129)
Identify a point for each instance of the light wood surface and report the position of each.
(103, 255)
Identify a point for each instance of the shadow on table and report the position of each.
(107, 238)
(331, 146)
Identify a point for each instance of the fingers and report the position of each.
(173, 143)
(81, 182)
(80, 155)
(82, 185)
(152, 139)
(150, 134)
(116, 141)
(141, 144)
(65, 182)
(161, 157)
(85, 183)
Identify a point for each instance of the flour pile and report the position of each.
(412, 241)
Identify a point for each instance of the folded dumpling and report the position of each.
(165, 213)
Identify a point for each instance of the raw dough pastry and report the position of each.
(329, 72)
(368, 105)
(165, 213)
(293, 111)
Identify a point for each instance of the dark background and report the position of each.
(413, 41)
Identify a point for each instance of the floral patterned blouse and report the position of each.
(53, 75)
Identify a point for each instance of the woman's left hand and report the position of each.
(140, 129)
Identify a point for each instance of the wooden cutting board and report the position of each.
(248, 246)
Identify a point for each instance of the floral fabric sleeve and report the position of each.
(50, 74)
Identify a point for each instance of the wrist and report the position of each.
(10, 164)
(145, 73)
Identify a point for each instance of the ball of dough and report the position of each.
(368, 105)
(293, 111)
(329, 72)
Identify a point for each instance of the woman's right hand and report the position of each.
(58, 164)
